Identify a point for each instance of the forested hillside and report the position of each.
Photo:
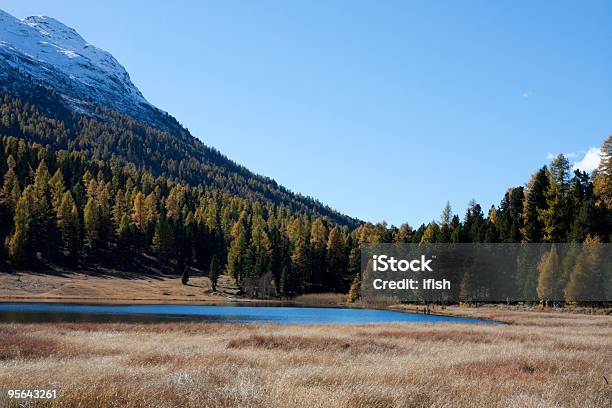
(84, 190)
(40, 115)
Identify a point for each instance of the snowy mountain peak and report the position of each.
(50, 27)
(57, 56)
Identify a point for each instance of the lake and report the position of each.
(73, 312)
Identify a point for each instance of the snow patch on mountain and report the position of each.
(56, 55)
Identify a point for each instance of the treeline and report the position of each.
(82, 191)
(61, 207)
(556, 205)
(58, 206)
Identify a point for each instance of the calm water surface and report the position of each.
(73, 312)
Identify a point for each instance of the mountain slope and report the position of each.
(90, 105)
(51, 52)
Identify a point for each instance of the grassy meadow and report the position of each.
(108, 286)
(540, 360)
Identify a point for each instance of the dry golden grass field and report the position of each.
(541, 360)
(111, 286)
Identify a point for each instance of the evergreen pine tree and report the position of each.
(41, 218)
(560, 173)
(535, 202)
(120, 209)
(20, 243)
(353, 294)
(10, 187)
(467, 287)
(68, 223)
(336, 260)
(138, 213)
(301, 266)
(318, 252)
(57, 187)
(431, 234)
(236, 257)
(214, 271)
(91, 224)
(589, 277)
(550, 277)
(259, 251)
(456, 230)
(556, 216)
(602, 176)
(123, 231)
(149, 215)
(354, 263)
(584, 222)
(163, 240)
(284, 283)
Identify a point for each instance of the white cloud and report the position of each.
(589, 161)
(526, 94)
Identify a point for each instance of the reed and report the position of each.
(543, 360)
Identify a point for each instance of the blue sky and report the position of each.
(383, 110)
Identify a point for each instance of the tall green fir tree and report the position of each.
(534, 204)
(163, 240)
(68, 224)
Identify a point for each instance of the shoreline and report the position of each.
(220, 300)
(119, 289)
